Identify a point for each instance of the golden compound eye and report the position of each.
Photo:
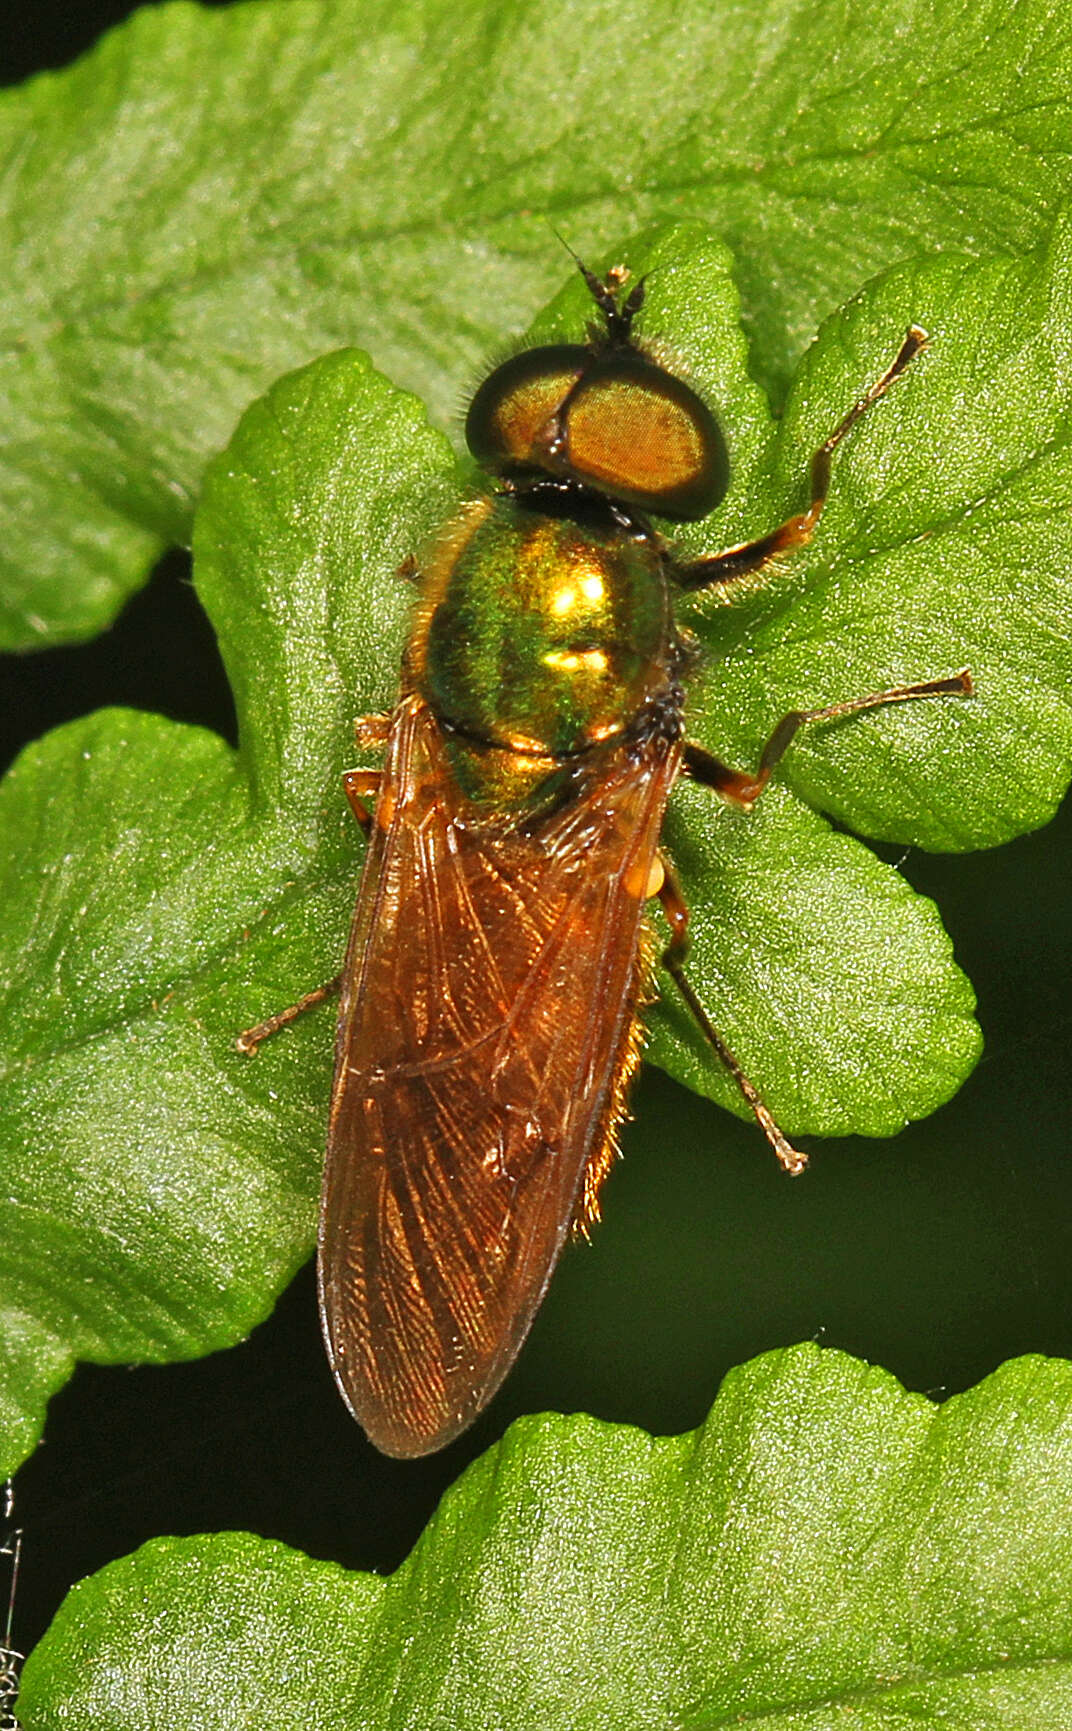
(639, 434)
(512, 417)
(615, 422)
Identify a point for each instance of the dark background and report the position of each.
(937, 1254)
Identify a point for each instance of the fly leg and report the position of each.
(743, 789)
(248, 1041)
(361, 784)
(750, 557)
(358, 785)
(677, 914)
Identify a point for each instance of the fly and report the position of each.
(501, 952)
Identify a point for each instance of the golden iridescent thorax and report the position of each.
(542, 635)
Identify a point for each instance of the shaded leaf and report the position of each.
(209, 198)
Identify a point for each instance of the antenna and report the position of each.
(605, 291)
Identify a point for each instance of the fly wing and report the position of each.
(486, 1032)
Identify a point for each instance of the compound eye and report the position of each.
(644, 437)
(512, 416)
(615, 422)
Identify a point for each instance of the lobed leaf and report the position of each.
(158, 893)
(827, 1549)
(946, 543)
(158, 1190)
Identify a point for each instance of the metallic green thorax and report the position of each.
(542, 637)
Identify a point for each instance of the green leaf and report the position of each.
(945, 544)
(815, 960)
(826, 1550)
(158, 893)
(210, 198)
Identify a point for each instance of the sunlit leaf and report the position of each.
(825, 1551)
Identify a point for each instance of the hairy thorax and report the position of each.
(540, 638)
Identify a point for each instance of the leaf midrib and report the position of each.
(697, 1720)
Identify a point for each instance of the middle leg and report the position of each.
(743, 789)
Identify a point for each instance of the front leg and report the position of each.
(751, 557)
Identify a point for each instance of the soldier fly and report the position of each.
(500, 952)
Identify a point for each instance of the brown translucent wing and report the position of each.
(486, 1031)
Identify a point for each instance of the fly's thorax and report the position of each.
(539, 634)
